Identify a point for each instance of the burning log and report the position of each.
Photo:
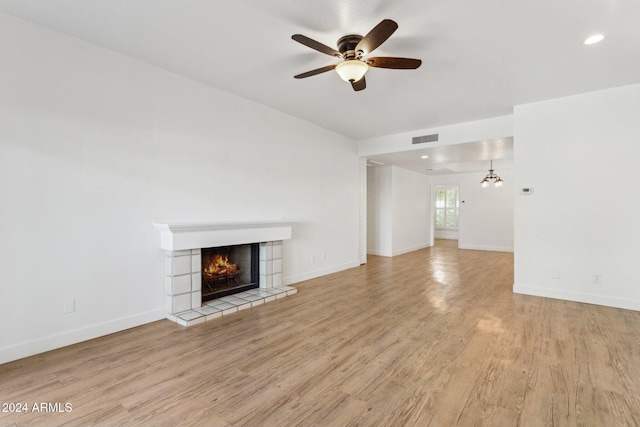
(220, 267)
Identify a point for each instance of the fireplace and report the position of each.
(250, 255)
(228, 270)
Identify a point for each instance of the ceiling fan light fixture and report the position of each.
(351, 48)
(352, 70)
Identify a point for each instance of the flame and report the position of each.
(220, 266)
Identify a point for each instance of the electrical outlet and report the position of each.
(555, 274)
(70, 306)
(597, 278)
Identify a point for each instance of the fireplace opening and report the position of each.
(228, 270)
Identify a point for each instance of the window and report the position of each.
(447, 206)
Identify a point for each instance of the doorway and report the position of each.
(446, 211)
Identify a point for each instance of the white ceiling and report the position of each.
(480, 58)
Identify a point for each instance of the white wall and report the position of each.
(411, 207)
(95, 146)
(398, 204)
(580, 154)
(486, 214)
(379, 211)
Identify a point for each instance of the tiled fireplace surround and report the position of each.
(183, 264)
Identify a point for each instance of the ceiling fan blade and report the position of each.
(316, 45)
(359, 85)
(316, 71)
(378, 35)
(395, 63)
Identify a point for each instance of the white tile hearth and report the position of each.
(230, 304)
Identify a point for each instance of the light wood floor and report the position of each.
(431, 338)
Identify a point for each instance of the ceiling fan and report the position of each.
(352, 49)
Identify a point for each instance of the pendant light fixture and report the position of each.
(497, 181)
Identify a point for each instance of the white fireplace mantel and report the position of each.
(175, 236)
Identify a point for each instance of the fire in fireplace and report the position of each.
(229, 269)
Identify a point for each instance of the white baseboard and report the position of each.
(486, 248)
(52, 342)
(379, 253)
(398, 252)
(411, 249)
(318, 273)
(448, 235)
(577, 297)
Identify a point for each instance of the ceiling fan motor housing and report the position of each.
(347, 47)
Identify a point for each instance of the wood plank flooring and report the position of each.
(431, 338)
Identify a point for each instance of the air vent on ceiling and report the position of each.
(424, 138)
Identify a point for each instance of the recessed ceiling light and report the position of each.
(594, 39)
(424, 157)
